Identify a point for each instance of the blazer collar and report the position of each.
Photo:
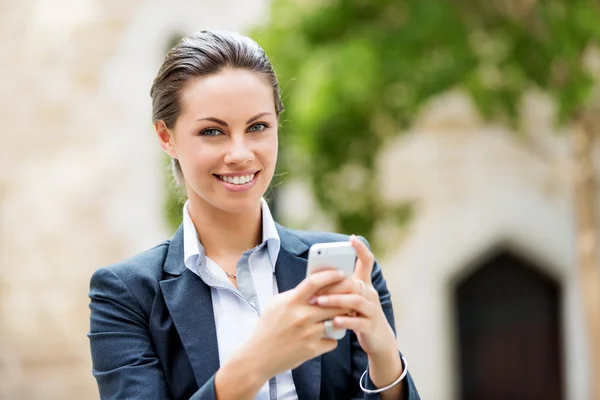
(290, 241)
(174, 263)
(189, 302)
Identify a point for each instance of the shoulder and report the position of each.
(141, 271)
(311, 237)
(149, 262)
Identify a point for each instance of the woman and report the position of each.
(222, 310)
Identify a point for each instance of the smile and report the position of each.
(237, 180)
(241, 182)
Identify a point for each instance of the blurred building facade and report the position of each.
(485, 284)
(484, 280)
(81, 187)
(81, 173)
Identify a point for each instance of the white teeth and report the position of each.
(238, 180)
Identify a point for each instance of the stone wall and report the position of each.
(62, 190)
(81, 175)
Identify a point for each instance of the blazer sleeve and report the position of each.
(359, 357)
(124, 361)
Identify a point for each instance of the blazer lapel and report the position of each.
(189, 302)
(290, 270)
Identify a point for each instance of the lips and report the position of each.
(238, 182)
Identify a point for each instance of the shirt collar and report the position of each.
(270, 234)
(194, 251)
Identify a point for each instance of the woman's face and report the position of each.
(225, 139)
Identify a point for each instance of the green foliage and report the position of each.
(175, 198)
(540, 45)
(356, 72)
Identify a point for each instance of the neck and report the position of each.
(222, 233)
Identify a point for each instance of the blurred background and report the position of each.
(458, 136)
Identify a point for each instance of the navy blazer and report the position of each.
(152, 328)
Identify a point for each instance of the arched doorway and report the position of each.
(509, 334)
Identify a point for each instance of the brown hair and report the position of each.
(204, 53)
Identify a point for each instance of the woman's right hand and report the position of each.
(291, 331)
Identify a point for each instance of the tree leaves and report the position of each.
(348, 65)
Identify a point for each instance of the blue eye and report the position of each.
(211, 132)
(258, 128)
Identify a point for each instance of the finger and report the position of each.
(317, 330)
(354, 302)
(360, 287)
(356, 324)
(320, 314)
(367, 291)
(365, 260)
(344, 286)
(357, 286)
(315, 282)
(323, 343)
(326, 345)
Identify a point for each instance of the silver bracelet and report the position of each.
(391, 385)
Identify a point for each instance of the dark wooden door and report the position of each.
(509, 332)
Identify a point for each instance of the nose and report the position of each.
(240, 151)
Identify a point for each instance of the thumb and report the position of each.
(365, 260)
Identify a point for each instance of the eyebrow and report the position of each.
(221, 122)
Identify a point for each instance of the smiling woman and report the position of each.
(226, 130)
(224, 309)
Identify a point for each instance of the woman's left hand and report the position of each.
(374, 333)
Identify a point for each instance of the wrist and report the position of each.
(255, 356)
(385, 369)
(391, 391)
(385, 364)
(386, 345)
(241, 377)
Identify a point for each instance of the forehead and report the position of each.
(229, 90)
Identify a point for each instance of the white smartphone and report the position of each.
(338, 255)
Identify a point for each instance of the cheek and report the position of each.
(270, 150)
(195, 158)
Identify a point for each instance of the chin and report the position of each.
(233, 203)
(240, 205)
(218, 196)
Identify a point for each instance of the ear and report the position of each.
(165, 138)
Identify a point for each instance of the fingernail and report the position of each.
(341, 273)
(322, 300)
(352, 237)
(313, 300)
